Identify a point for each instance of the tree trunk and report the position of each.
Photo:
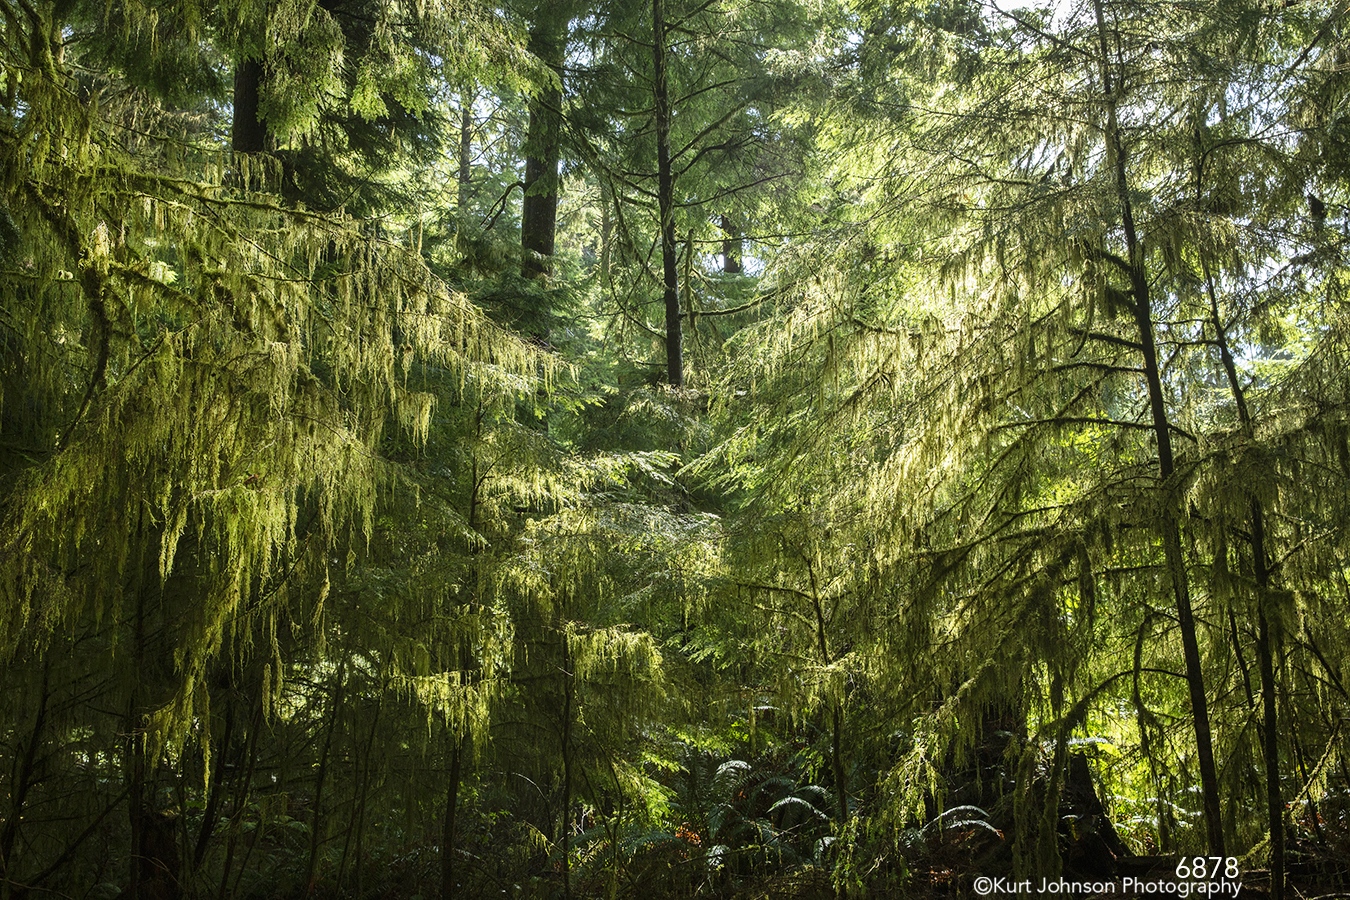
(213, 793)
(569, 700)
(248, 134)
(241, 796)
(731, 248)
(355, 839)
(23, 781)
(138, 805)
(837, 765)
(465, 177)
(539, 209)
(1270, 733)
(837, 712)
(1162, 432)
(456, 743)
(1270, 736)
(316, 819)
(665, 199)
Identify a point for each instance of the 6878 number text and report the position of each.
(1201, 867)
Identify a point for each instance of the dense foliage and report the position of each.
(693, 448)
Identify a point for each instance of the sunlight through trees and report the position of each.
(735, 448)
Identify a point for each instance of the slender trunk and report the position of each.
(837, 712)
(689, 284)
(1148, 726)
(569, 699)
(456, 743)
(1241, 660)
(1314, 815)
(1209, 779)
(21, 782)
(1271, 734)
(1162, 432)
(136, 809)
(665, 199)
(213, 792)
(241, 805)
(1341, 763)
(137, 804)
(359, 805)
(612, 830)
(1265, 659)
(334, 714)
(606, 241)
(465, 659)
(837, 764)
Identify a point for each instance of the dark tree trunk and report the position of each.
(1270, 734)
(241, 795)
(448, 823)
(539, 210)
(569, 701)
(837, 713)
(354, 842)
(606, 241)
(138, 811)
(837, 764)
(214, 791)
(23, 781)
(665, 200)
(1162, 432)
(248, 134)
(1265, 657)
(316, 818)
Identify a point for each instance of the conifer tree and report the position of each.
(198, 377)
(678, 125)
(1022, 289)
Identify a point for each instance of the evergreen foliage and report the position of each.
(992, 519)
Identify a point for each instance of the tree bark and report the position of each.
(134, 746)
(837, 711)
(606, 241)
(248, 134)
(837, 765)
(731, 248)
(1270, 733)
(539, 209)
(241, 795)
(665, 199)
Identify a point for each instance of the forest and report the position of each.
(674, 449)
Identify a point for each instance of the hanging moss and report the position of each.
(216, 365)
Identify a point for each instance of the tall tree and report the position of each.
(665, 196)
(217, 370)
(1020, 287)
(678, 125)
(549, 27)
